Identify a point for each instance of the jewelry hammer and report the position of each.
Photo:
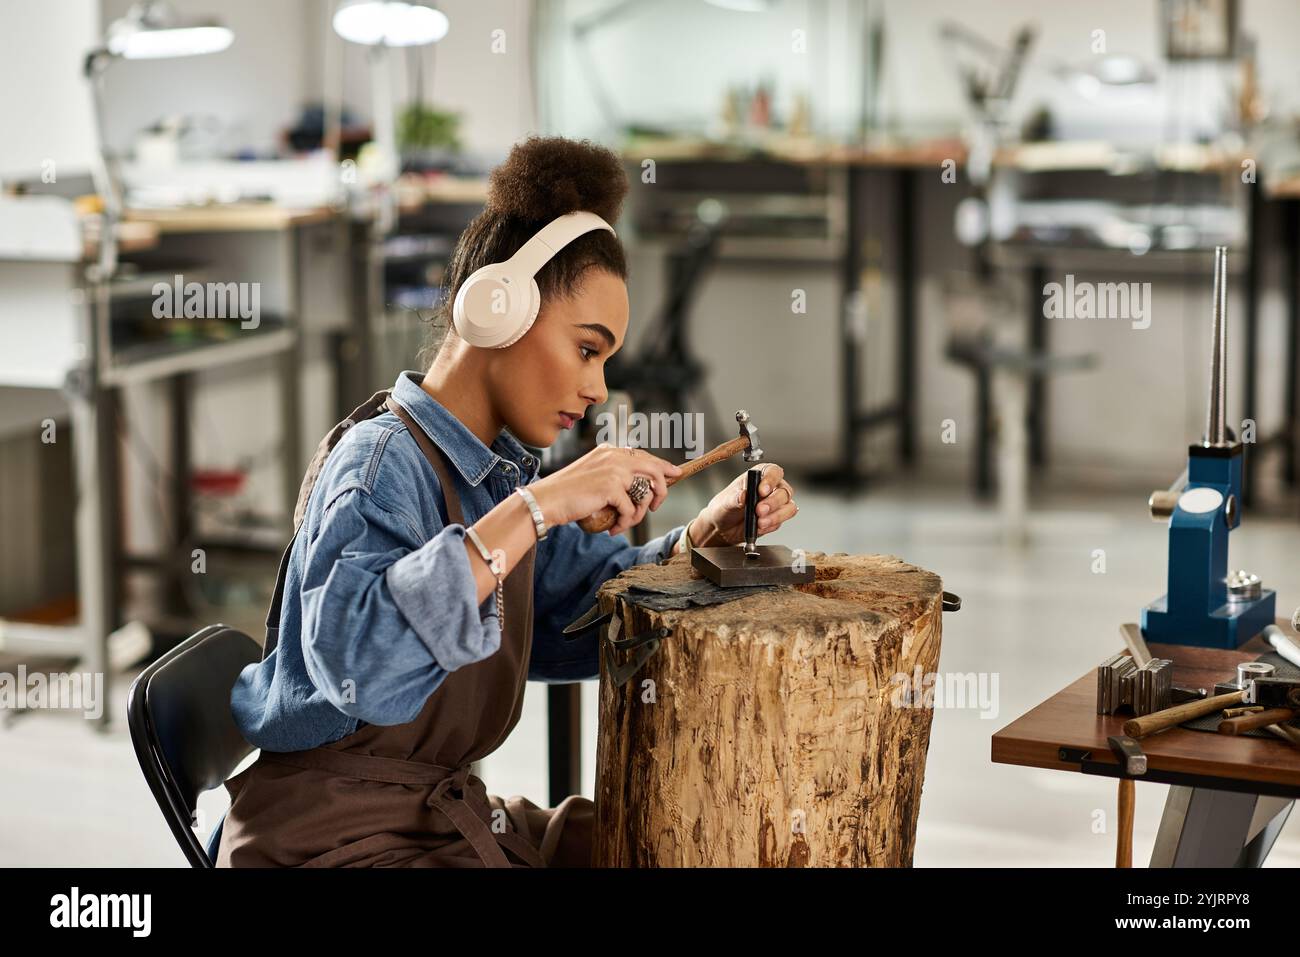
(746, 442)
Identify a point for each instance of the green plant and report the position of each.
(420, 127)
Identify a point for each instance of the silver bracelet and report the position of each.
(539, 520)
(495, 567)
(686, 538)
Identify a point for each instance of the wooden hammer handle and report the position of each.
(724, 451)
(1124, 832)
(1172, 717)
(607, 516)
(1260, 719)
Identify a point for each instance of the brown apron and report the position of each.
(402, 795)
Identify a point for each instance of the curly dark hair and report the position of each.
(542, 178)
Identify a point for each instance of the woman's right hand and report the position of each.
(600, 478)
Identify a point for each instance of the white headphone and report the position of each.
(498, 303)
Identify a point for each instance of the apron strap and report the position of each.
(471, 826)
(366, 410)
(434, 457)
(373, 406)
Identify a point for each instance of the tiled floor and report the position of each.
(1037, 617)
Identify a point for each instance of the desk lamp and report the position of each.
(380, 24)
(149, 31)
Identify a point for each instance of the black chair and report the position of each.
(185, 738)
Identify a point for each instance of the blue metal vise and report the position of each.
(1204, 605)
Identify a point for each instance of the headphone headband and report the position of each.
(553, 237)
(498, 303)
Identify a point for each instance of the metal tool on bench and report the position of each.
(640, 647)
(1247, 671)
(731, 566)
(1143, 689)
(1204, 605)
(1277, 694)
(1146, 724)
(1283, 643)
(1273, 692)
(1279, 698)
(746, 443)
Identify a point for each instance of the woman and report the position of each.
(423, 587)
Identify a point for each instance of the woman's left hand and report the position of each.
(722, 521)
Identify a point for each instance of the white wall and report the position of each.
(45, 108)
(670, 62)
(252, 90)
(286, 54)
(493, 91)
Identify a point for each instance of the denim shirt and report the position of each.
(380, 599)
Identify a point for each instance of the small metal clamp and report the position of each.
(642, 646)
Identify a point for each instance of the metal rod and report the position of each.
(1216, 417)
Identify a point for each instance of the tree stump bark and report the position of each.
(762, 732)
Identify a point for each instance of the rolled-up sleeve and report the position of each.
(388, 612)
(571, 567)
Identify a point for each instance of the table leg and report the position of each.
(984, 430)
(906, 318)
(176, 601)
(1038, 345)
(1250, 389)
(1291, 412)
(850, 373)
(564, 741)
(94, 409)
(290, 366)
(1207, 828)
(94, 435)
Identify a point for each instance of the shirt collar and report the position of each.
(465, 450)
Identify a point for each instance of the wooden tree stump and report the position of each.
(762, 732)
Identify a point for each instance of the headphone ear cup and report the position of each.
(489, 308)
(530, 310)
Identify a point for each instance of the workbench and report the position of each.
(1229, 796)
(76, 354)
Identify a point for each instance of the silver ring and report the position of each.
(639, 488)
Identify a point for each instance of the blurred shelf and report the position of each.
(131, 237)
(49, 629)
(415, 247)
(147, 360)
(1100, 155)
(232, 217)
(415, 191)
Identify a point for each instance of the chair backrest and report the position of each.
(185, 737)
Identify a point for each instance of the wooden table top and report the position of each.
(1286, 187)
(229, 217)
(1069, 720)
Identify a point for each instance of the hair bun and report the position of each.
(546, 177)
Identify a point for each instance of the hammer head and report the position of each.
(747, 431)
(1130, 754)
(1273, 692)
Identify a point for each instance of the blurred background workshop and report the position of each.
(956, 260)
